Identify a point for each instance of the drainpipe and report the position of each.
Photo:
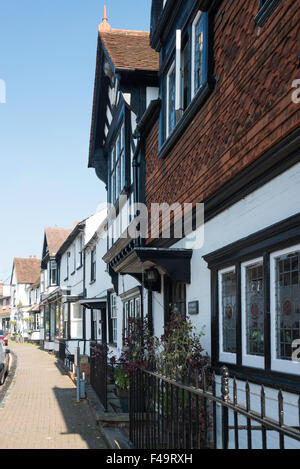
(84, 294)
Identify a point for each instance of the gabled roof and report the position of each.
(71, 237)
(127, 52)
(27, 270)
(55, 237)
(130, 50)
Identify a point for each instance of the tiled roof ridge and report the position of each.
(126, 31)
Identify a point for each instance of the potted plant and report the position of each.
(122, 387)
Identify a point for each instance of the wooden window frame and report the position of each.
(168, 138)
(93, 265)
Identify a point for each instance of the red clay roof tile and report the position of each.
(130, 49)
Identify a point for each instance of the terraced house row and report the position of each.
(198, 111)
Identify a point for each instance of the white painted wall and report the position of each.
(152, 93)
(275, 201)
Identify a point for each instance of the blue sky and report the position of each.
(47, 60)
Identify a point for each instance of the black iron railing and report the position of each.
(167, 414)
(65, 355)
(99, 371)
(62, 350)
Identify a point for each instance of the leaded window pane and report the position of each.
(255, 309)
(287, 291)
(229, 311)
(171, 101)
(117, 166)
(198, 53)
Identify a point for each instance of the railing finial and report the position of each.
(225, 383)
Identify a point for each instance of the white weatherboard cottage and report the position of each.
(74, 278)
(25, 273)
(36, 327)
(51, 292)
(4, 306)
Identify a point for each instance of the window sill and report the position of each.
(92, 282)
(186, 118)
(67, 278)
(112, 345)
(266, 11)
(73, 273)
(80, 267)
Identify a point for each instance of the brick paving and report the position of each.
(40, 410)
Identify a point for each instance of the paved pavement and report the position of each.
(40, 410)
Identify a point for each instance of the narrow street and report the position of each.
(40, 410)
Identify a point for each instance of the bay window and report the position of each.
(284, 287)
(188, 71)
(256, 303)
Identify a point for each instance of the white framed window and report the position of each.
(227, 315)
(114, 318)
(68, 264)
(76, 321)
(132, 310)
(171, 114)
(74, 257)
(188, 72)
(93, 265)
(65, 319)
(52, 273)
(79, 250)
(197, 72)
(253, 314)
(285, 308)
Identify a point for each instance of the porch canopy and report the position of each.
(176, 263)
(94, 303)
